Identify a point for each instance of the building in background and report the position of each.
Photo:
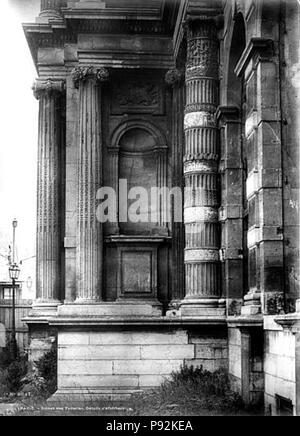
(24, 294)
(169, 93)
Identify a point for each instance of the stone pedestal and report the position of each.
(252, 304)
(109, 358)
(201, 170)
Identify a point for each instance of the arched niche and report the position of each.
(139, 151)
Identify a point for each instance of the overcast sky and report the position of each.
(18, 132)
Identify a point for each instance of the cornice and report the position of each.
(256, 47)
(203, 10)
(225, 114)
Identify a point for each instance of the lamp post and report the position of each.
(15, 225)
(14, 272)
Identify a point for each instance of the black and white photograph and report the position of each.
(149, 211)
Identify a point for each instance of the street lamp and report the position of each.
(14, 273)
(15, 225)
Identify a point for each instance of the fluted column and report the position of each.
(52, 8)
(90, 231)
(201, 166)
(49, 216)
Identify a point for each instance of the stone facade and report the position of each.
(169, 94)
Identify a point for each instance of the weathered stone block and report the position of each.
(69, 339)
(88, 367)
(208, 364)
(89, 352)
(151, 367)
(83, 381)
(277, 386)
(280, 343)
(169, 352)
(234, 337)
(2, 336)
(151, 380)
(280, 366)
(139, 338)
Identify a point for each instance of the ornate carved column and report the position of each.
(49, 216)
(175, 80)
(90, 231)
(201, 168)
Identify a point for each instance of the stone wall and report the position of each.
(279, 365)
(107, 362)
(245, 362)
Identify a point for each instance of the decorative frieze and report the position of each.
(49, 209)
(201, 164)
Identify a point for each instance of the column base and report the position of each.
(203, 307)
(252, 304)
(44, 308)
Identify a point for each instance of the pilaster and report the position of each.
(175, 81)
(259, 66)
(231, 208)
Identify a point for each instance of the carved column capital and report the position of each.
(202, 49)
(174, 77)
(82, 74)
(48, 86)
(52, 8)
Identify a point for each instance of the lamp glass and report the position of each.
(14, 272)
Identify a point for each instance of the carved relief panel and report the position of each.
(140, 94)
